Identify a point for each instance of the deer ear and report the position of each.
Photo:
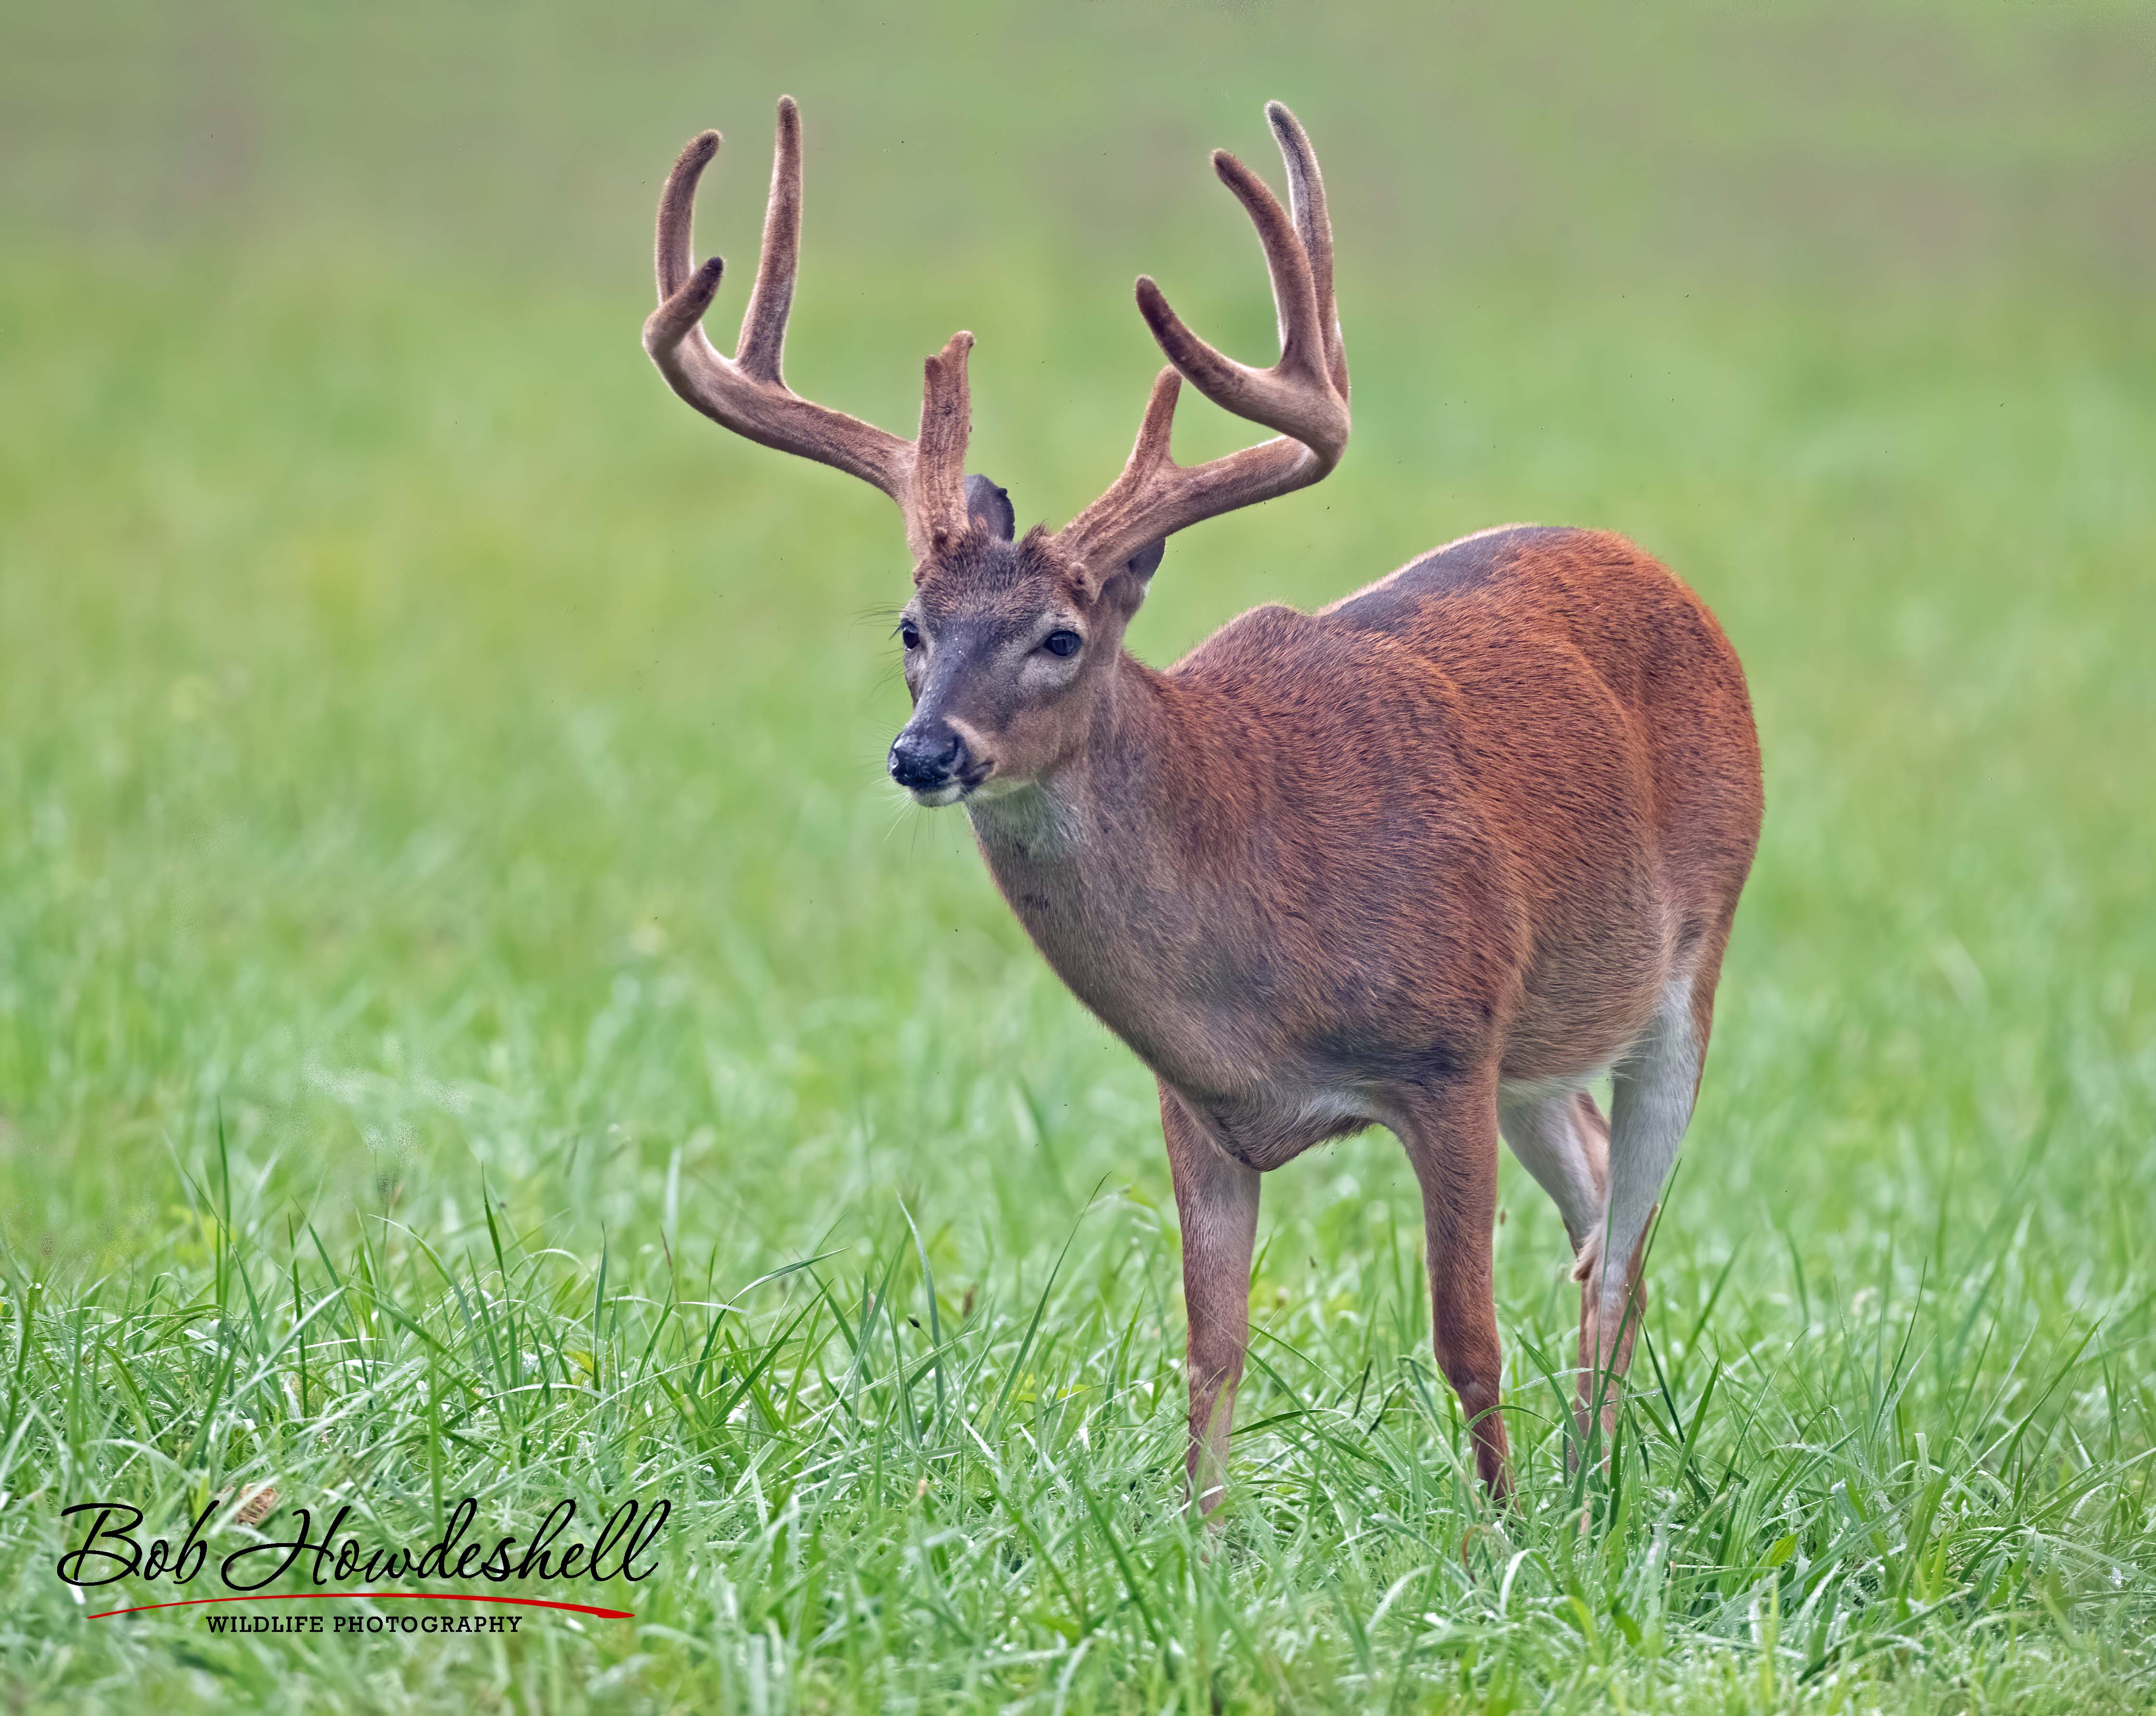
(1127, 585)
(990, 506)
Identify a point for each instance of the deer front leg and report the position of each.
(1216, 1201)
(1451, 1138)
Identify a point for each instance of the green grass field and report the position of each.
(475, 1020)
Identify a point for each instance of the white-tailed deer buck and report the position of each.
(1431, 858)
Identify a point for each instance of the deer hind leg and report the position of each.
(1653, 1085)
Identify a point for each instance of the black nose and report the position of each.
(924, 759)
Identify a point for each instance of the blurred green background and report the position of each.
(428, 750)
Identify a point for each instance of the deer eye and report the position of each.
(1061, 642)
(909, 634)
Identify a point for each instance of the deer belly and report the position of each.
(1264, 1129)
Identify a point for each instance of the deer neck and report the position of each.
(1104, 861)
(1106, 808)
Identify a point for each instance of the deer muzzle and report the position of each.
(930, 759)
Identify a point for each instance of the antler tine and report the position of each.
(1305, 196)
(677, 213)
(1149, 458)
(1304, 395)
(936, 507)
(763, 323)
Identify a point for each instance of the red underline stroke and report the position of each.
(409, 1596)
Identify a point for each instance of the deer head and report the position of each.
(1010, 640)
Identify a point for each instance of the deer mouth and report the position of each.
(957, 789)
